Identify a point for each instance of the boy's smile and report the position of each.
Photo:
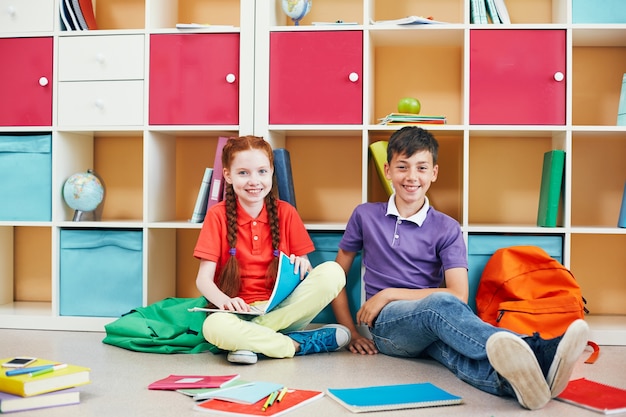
(411, 177)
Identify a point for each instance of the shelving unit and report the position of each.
(489, 172)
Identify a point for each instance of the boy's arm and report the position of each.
(341, 308)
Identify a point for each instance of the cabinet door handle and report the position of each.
(354, 77)
(43, 81)
(230, 78)
(11, 11)
(558, 76)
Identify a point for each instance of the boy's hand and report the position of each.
(370, 309)
(362, 345)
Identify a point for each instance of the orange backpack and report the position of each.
(524, 289)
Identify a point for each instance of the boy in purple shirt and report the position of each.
(416, 288)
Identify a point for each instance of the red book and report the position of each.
(216, 190)
(174, 382)
(294, 398)
(592, 395)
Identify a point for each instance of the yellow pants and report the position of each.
(264, 334)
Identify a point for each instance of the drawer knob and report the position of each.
(11, 11)
(230, 78)
(558, 76)
(43, 81)
(354, 77)
(100, 104)
(100, 58)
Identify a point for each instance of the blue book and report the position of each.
(621, 222)
(286, 281)
(393, 397)
(284, 176)
(199, 210)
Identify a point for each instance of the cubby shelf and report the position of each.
(152, 161)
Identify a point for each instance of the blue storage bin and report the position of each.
(598, 11)
(481, 247)
(326, 247)
(26, 177)
(100, 272)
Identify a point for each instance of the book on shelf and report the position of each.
(286, 281)
(176, 382)
(86, 9)
(378, 150)
(478, 12)
(294, 398)
(410, 118)
(503, 12)
(57, 377)
(492, 12)
(551, 186)
(216, 191)
(284, 176)
(393, 397)
(621, 108)
(68, 17)
(11, 403)
(409, 20)
(621, 221)
(595, 396)
(199, 210)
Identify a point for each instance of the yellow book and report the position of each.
(51, 379)
(378, 151)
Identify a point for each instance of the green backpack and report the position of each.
(163, 327)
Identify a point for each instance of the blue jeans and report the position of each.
(446, 329)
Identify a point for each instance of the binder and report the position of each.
(284, 176)
(551, 185)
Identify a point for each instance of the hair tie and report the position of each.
(232, 251)
(276, 253)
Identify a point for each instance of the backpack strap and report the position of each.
(596, 352)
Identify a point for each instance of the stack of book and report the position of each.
(230, 395)
(411, 119)
(42, 384)
(489, 11)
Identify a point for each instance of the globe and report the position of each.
(83, 191)
(296, 9)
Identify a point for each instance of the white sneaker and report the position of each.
(515, 361)
(244, 357)
(571, 346)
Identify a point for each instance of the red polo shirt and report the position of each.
(254, 244)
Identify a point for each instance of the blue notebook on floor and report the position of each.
(393, 397)
(286, 281)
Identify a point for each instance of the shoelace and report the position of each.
(316, 343)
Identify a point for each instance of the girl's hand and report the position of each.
(301, 264)
(233, 304)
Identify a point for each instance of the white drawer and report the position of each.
(26, 16)
(101, 103)
(111, 57)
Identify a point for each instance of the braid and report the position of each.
(272, 211)
(229, 281)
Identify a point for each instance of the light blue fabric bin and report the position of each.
(26, 178)
(598, 11)
(326, 247)
(100, 272)
(481, 247)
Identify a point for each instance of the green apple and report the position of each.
(409, 105)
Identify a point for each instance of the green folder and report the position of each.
(551, 185)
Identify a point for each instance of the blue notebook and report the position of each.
(286, 281)
(393, 397)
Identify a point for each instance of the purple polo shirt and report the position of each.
(400, 253)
